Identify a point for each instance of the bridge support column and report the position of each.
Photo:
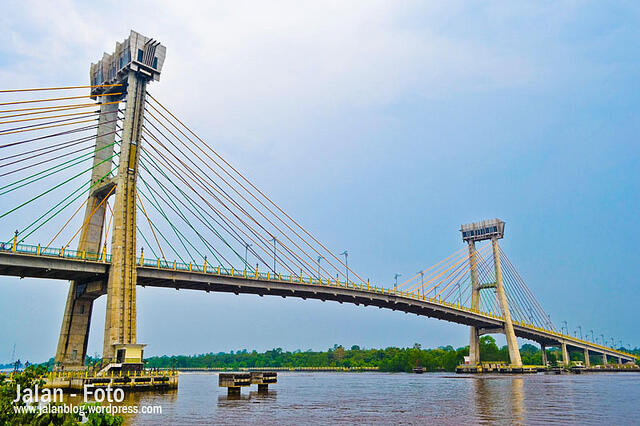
(120, 323)
(543, 350)
(587, 361)
(565, 354)
(74, 332)
(620, 360)
(474, 346)
(474, 339)
(512, 343)
(604, 359)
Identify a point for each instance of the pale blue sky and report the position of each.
(395, 123)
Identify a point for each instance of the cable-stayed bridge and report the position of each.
(110, 189)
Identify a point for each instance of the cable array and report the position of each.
(450, 280)
(193, 205)
(207, 208)
(47, 149)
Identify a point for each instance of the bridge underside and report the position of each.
(55, 268)
(196, 281)
(96, 272)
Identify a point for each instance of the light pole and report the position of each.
(246, 251)
(395, 286)
(580, 329)
(603, 341)
(565, 327)
(274, 254)
(346, 263)
(531, 315)
(592, 335)
(421, 281)
(319, 259)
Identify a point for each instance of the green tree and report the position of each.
(28, 379)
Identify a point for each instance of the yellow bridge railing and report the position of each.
(280, 278)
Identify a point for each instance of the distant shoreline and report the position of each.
(309, 369)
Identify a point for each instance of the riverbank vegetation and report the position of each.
(444, 358)
(29, 378)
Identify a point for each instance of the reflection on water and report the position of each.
(498, 398)
(232, 400)
(313, 398)
(517, 399)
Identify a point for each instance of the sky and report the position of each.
(381, 126)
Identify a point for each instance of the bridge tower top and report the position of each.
(484, 230)
(491, 229)
(137, 53)
(121, 75)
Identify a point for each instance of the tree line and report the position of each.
(444, 358)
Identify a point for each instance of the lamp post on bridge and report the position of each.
(319, 259)
(565, 327)
(592, 335)
(246, 251)
(580, 328)
(549, 323)
(603, 341)
(395, 286)
(274, 255)
(421, 272)
(346, 263)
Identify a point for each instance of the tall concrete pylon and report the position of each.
(74, 333)
(122, 75)
(474, 337)
(512, 343)
(120, 322)
(489, 230)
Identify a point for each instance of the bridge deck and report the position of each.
(29, 261)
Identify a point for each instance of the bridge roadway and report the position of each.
(31, 262)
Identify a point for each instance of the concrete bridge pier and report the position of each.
(620, 360)
(543, 351)
(587, 361)
(474, 346)
(604, 359)
(565, 354)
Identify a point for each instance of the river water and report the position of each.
(381, 398)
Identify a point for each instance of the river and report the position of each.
(385, 398)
